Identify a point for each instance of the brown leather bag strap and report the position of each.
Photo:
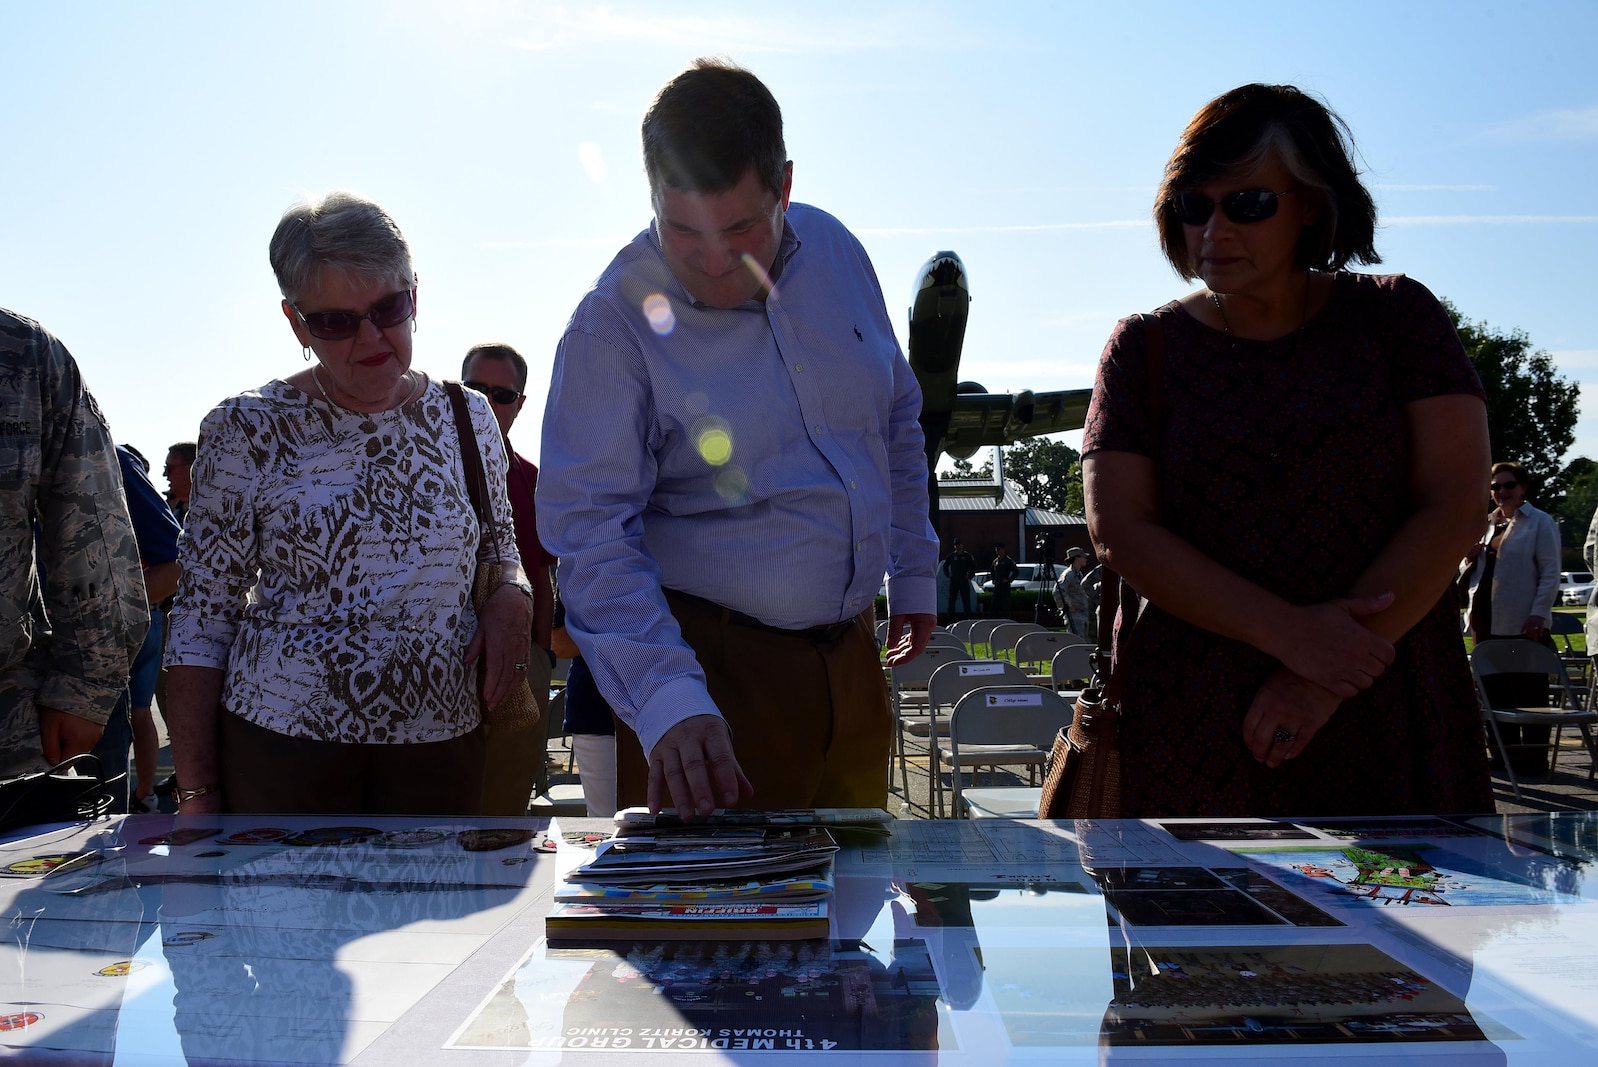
(472, 460)
(1109, 581)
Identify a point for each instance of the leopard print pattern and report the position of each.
(327, 565)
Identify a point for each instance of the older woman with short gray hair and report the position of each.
(324, 645)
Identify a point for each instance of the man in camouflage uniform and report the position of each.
(65, 647)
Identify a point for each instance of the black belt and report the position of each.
(815, 634)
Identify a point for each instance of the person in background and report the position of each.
(515, 759)
(156, 532)
(732, 461)
(1513, 576)
(1288, 471)
(1004, 572)
(179, 473)
(325, 646)
(1589, 552)
(590, 723)
(70, 582)
(1069, 596)
(959, 568)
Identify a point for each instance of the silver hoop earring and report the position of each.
(413, 324)
(307, 353)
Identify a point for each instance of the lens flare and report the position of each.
(714, 441)
(759, 271)
(732, 484)
(593, 161)
(657, 309)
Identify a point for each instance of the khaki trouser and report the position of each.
(811, 721)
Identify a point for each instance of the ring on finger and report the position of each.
(1282, 736)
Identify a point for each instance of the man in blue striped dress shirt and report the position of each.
(731, 462)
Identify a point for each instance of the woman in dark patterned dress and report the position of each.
(1290, 489)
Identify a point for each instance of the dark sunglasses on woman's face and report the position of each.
(1243, 206)
(392, 310)
(1503, 487)
(497, 393)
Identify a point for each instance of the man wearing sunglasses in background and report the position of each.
(515, 760)
(731, 463)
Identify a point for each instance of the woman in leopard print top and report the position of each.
(323, 648)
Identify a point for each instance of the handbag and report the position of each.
(1082, 775)
(518, 710)
(64, 793)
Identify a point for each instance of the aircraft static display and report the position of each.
(960, 417)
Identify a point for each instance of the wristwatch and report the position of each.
(524, 585)
(182, 794)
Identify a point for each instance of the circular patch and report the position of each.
(40, 864)
(333, 835)
(409, 838)
(120, 970)
(262, 835)
(489, 840)
(184, 938)
(19, 1020)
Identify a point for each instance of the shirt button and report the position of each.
(861, 546)
(851, 483)
(818, 430)
(799, 368)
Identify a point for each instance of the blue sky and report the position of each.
(152, 147)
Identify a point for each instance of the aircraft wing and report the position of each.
(982, 419)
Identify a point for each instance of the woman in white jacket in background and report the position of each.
(1514, 578)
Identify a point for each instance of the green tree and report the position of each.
(963, 469)
(1575, 507)
(1047, 473)
(1531, 408)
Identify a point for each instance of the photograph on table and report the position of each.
(1402, 874)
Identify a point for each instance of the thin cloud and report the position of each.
(1040, 227)
(571, 26)
(1437, 188)
(1564, 124)
(1488, 220)
(557, 242)
(1576, 357)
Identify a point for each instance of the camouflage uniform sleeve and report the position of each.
(94, 587)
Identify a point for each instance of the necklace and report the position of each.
(1226, 325)
(415, 386)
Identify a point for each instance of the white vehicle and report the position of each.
(1575, 587)
(1026, 577)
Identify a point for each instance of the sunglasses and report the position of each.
(1503, 487)
(1243, 206)
(497, 393)
(392, 310)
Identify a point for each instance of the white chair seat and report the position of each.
(1003, 802)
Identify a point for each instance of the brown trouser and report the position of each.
(265, 772)
(811, 721)
(516, 758)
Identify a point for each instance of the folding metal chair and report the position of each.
(1528, 657)
(1003, 726)
(947, 685)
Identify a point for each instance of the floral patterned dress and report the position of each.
(1286, 461)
